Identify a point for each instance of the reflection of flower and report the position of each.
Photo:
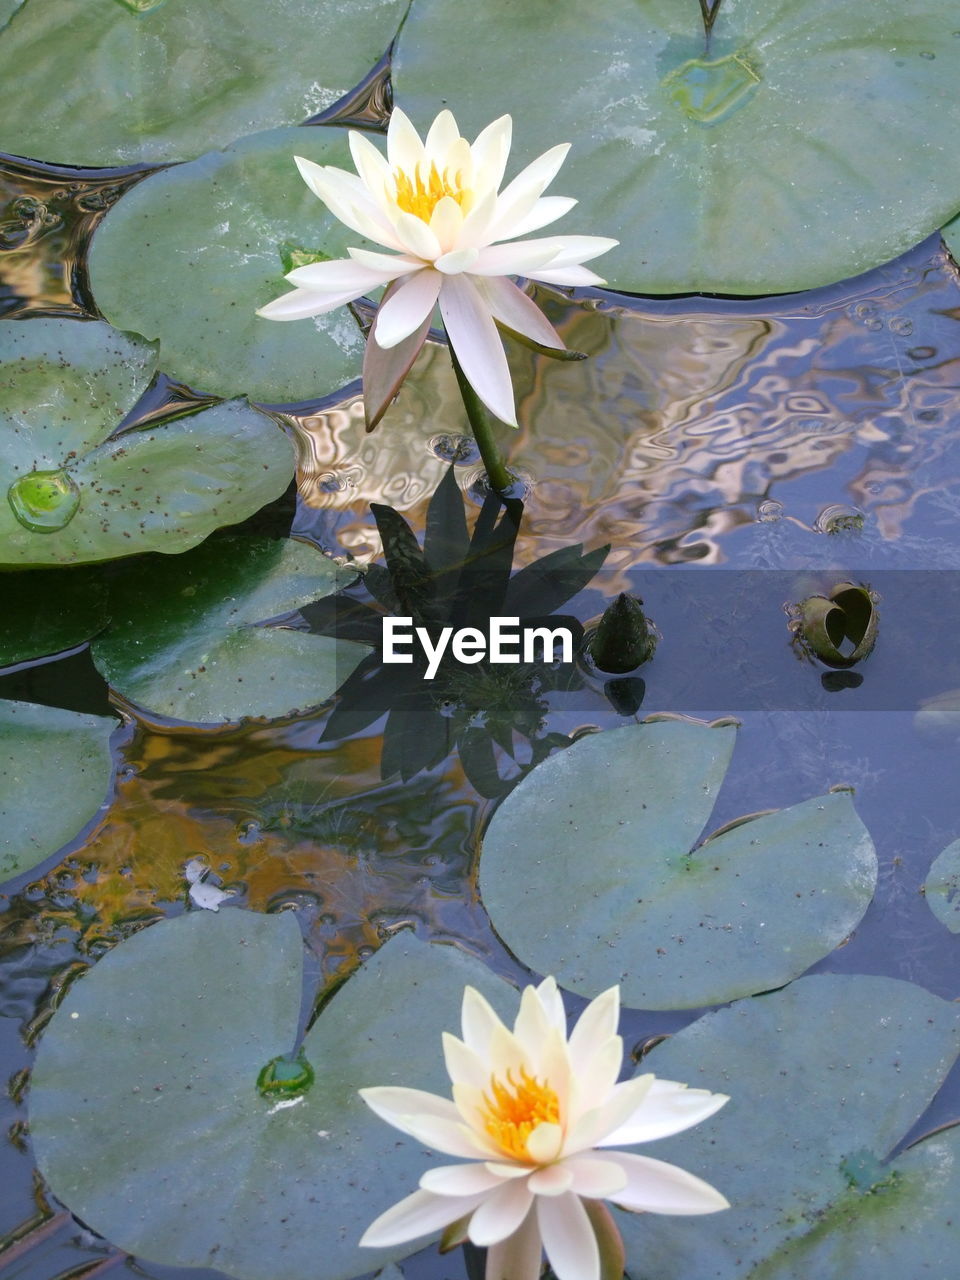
(537, 1112)
(437, 203)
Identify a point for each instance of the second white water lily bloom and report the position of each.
(437, 204)
(537, 1115)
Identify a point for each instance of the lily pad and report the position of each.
(185, 641)
(942, 889)
(189, 255)
(587, 873)
(807, 141)
(44, 750)
(147, 1121)
(825, 1078)
(48, 611)
(71, 492)
(149, 80)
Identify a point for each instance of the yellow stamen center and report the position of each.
(516, 1108)
(420, 196)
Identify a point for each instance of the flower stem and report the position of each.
(497, 473)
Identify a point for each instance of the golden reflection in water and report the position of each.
(668, 438)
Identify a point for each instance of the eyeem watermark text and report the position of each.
(506, 641)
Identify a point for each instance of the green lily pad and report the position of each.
(587, 873)
(811, 140)
(184, 640)
(942, 889)
(825, 1079)
(147, 1122)
(144, 80)
(70, 493)
(44, 749)
(49, 611)
(215, 233)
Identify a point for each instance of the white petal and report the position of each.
(417, 1215)
(595, 1177)
(446, 222)
(340, 274)
(668, 1108)
(349, 200)
(490, 152)
(577, 277)
(442, 135)
(518, 198)
(501, 1213)
(474, 338)
(544, 1143)
(597, 1023)
(548, 991)
(462, 1180)
(477, 1020)
(415, 236)
(654, 1186)
(476, 225)
(596, 1075)
(406, 311)
(547, 209)
(298, 304)
(591, 1127)
(531, 1025)
(519, 1256)
(460, 260)
(508, 1170)
(511, 306)
(404, 148)
(552, 1180)
(521, 257)
(398, 263)
(372, 167)
(568, 1237)
(463, 1065)
(572, 250)
(427, 1118)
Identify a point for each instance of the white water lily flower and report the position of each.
(437, 204)
(537, 1114)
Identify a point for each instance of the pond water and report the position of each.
(738, 456)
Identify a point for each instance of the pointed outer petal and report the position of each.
(592, 1127)
(598, 1021)
(385, 369)
(404, 148)
(474, 233)
(473, 336)
(427, 1118)
(490, 152)
(404, 312)
(510, 306)
(507, 1053)
(446, 223)
(463, 1065)
(552, 1001)
(477, 1020)
(349, 200)
(300, 303)
(568, 1237)
(595, 1076)
(572, 250)
(420, 1214)
(572, 277)
(400, 264)
(653, 1186)
(547, 209)
(501, 1213)
(519, 1256)
(372, 166)
(338, 275)
(552, 1180)
(460, 260)
(441, 137)
(668, 1108)
(545, 1143)
(515, 259)
(613, 1258)
(459, 162)
(594, 1176)
(518, 198)
(415, 236)
(531, 1025)
(465, 1180)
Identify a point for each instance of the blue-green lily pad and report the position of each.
(48, 611)
(185, 642)
(825, 1079)
(189, 255)
(942, 889)
(71, 492)
(123, 81)
(147, 1121)
(809, 141)
(587, 872)
(45, 751)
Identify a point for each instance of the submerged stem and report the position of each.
(500, 478)
(709, 10)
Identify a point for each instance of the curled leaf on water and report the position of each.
(839, 628)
